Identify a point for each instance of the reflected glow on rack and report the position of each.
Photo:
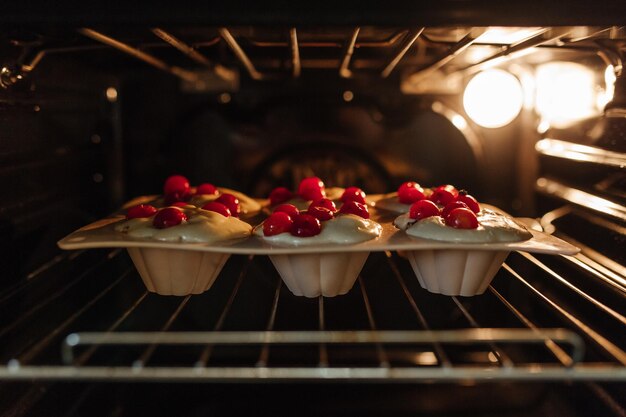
(609, 87)
(493, 98)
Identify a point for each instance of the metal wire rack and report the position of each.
(248, 327)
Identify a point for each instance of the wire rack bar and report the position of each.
(208, 350)
(392, 40)
(600, 340)
(556, 350)
(382, 356)
(45, 341)
(344, 68)
(581, 198)
(143, 56)
(583, 153)
(186, 49)
(532, 372)
(295, 53)
(191, 52)
(500, 355)
(617, 316)
(84, 357)
(18, 286)
(323, 362)
(408, 41)
(459, 336)
(438, 349)
(545, 36)
(265, 351)
(147, 354)
(57, 294)
(240, 54)
(454, 51)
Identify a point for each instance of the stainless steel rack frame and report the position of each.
(427, 347)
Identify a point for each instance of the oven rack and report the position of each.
(249, 328)
(207, 70)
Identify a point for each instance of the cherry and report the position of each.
(311, 188)
(324, 202)
(451, 206)
(231, 202)
(353, 194)
(280, 195)
(352, 207)
(179, 204)
(206, 188)
(140, 211)
(462, 218)
(305, 225)
(176, 196)
(290, 209)
(176, 184)
(277, 223)
(443, 195)
(320, 213)
(168, 217)
(422, 209)
(410, 192)
(217, 207)
(471, 202)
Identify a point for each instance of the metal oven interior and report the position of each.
(251, 102)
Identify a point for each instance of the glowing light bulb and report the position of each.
(493, 98)
(565, 92)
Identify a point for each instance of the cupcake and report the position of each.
(177, 189)
(314, 274)
(309, 190)
(400, 201)
(180, 272)
(457, 218)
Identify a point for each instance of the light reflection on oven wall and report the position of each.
(526, 102)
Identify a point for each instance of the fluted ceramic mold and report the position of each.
(456, 272)
(313, 274)
(177, 272)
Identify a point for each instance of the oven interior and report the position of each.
(96, 115)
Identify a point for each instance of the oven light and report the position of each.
(493, 98)
(565, 93)
(111, 94)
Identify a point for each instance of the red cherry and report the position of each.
(168, 217)
(305, 225)
(179, 204)
(451, 206)
(422, 209)
(324, 202)
(410, 192)
(320, 213)
(277, 223)
(353, 194)
(231, 202)
(206, 188)
(444, 195)
(471, 202)
(280, 195)
(217, 207)
(174, 197)
(176, 184)
(352, 207)
(462, 218)
(140, 211)
(311, 188)
(290, 209)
